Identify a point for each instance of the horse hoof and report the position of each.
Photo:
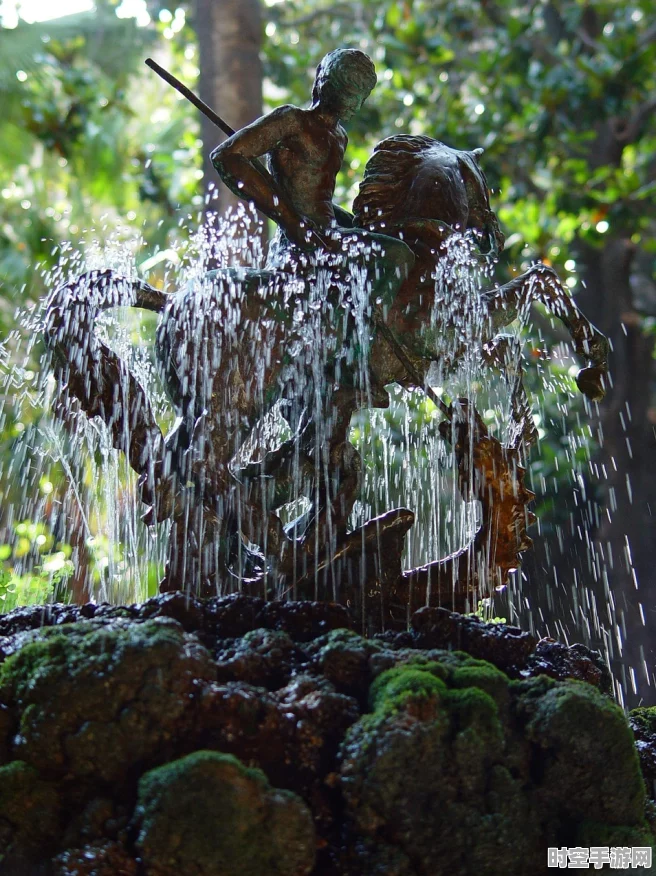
(592, 382)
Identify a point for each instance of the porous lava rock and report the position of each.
(234, 736)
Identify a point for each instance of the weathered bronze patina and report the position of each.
(224, 353)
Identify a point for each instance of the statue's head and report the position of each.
(345, 79)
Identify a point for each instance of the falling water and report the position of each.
(405, 461)
(72, 521)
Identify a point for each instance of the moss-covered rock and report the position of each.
(264, 658)
(643, 724)
(458, 770)
(92, 700)
(208, 815)
(344, 658)
(29, 818)
(411, 760)
(578, 732)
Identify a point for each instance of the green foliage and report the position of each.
(531, 83)
(49, 572)
(483, 612)
(88, 143)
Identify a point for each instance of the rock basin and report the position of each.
(236, 737)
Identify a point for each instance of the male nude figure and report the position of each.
(306, 148)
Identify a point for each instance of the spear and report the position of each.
(221, 124)
(191, 97)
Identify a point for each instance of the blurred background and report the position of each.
(96, 151)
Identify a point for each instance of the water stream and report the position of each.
(71, 524)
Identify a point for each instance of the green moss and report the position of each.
(344, 658)
(594, 833)
(29, 814)
(77, 649)
(473, 706)
(484, 676)
(342, 637)
(394, 687)
(427, 663)
(645, 718)
(456, 763)
(93, 699)
(584, 734)
(530, 690)
(208, 815)
(478, 737)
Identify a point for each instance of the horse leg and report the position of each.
(218, 348)
(502, 353)
(541, 283)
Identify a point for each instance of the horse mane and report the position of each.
(414, 176)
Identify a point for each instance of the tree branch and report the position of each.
(647, 36)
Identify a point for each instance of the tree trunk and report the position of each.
(230, 39)
(624, 529)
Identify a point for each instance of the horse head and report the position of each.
(421, 178)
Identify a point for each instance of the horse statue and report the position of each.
(226, 351)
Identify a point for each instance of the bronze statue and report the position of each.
(226, 354)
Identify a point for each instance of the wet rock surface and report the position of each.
(643, 724)
(233, 736)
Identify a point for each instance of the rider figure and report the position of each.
(240, 362)
(306, 149)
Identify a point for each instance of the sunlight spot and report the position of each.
(134, 9)
(33, 11)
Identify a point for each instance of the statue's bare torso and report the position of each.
(305, 149)
(305, 164)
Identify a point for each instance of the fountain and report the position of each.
(296, 701)
(387, 296)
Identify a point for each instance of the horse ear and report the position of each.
(477, 152)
